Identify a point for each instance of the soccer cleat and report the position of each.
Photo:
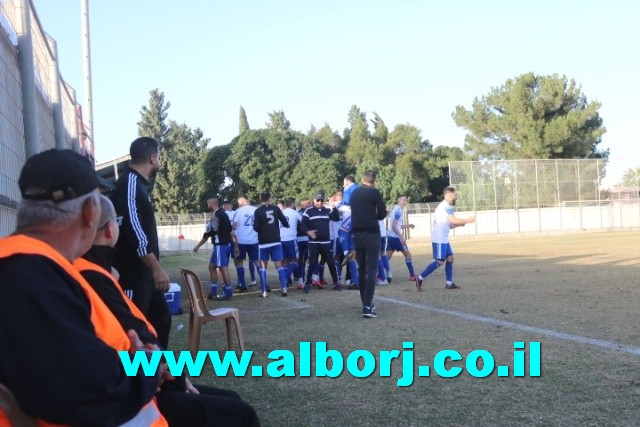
(323, 282)
(268, 289)
(419, 284)
(300, 286)
(337, 286)
(253, 283)
(317, 284)
(452, 286)
(389, 276)
(413, 278)
(382, 283)
(368, 312)
(284, 292)
(306, 289)
(264, 294)
(212, 296)
(239, 289)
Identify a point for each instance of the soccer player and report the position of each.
(395, 240)
(289, 237)
(219, 230)
(265, 223)
(345, 237)
(303, 244)
(384, 269)
(443, 221)
(247, 240)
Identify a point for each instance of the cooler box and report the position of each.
(173, 298)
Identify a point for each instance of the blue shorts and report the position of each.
(346, 241)
(274, 252)
(393, 244)
(250, 250)
(337, 247)
(290, 250)
(441, 251)
(383, 244)
(220, 255)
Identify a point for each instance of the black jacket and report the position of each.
(320, 220)
(138, 233)
(367, 208)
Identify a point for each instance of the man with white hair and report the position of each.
(60, 342)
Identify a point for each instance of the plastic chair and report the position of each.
(12, 410)
(200, 313)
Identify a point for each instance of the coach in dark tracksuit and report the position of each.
(316, 221)
(367, 208)
(137, 253)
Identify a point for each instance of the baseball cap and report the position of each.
(57, 175)
(319, 195)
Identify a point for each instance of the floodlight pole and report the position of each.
(88, 95)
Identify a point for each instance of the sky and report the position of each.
(410, 61)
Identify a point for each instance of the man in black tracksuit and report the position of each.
(137, 256)
(367, 208)
(316, 222)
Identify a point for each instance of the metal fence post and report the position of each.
(54, 90)
(28, 79)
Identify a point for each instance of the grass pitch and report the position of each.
(576, 294)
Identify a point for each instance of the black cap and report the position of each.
(57, 175)
(319, 195)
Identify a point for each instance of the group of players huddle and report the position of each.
(303, 239)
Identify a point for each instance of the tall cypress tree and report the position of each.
(244, 123)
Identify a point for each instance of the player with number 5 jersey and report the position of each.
(266, 222)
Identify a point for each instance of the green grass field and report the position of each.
(581, 292)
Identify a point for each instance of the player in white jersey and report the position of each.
(444, 220)
(228, 209)
(289, 236)
(246, 238)
(395, 239)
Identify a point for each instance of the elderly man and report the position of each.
(59, 340)
(179, 401)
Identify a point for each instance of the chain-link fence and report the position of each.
(48, 92)
(514, 196)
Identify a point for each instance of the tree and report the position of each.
(437, 167)
(360, 147)
(178, 188)
(533, 117)
(244, 123)
(277, 120)
(410, 154)
(214, 177)
(380, 130)
(262, 159)
(631, 178)
(154, 116)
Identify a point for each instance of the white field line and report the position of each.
(609, 345)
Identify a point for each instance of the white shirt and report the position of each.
(243, 223)
(383, 228)
(441, 225)
(395, 217)
(291, 233)
(231, 215)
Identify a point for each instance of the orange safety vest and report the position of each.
(85, 265)
(106, 326)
